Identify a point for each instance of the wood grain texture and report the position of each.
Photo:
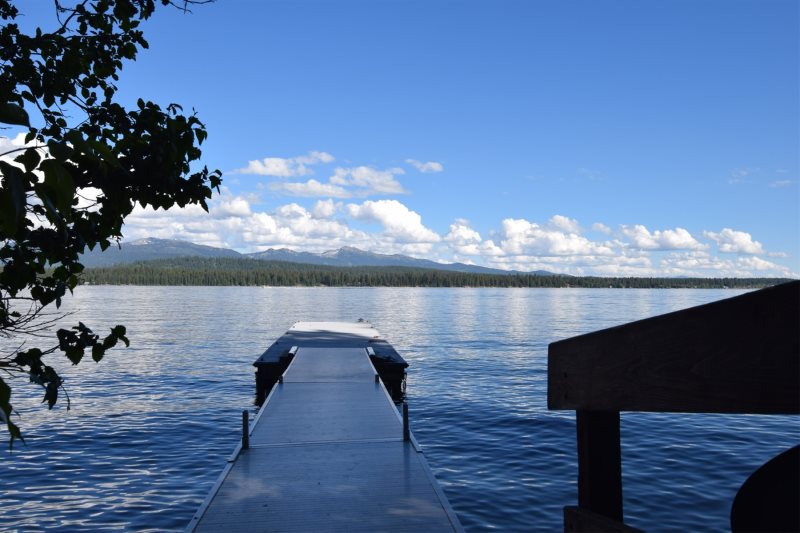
(740, 355)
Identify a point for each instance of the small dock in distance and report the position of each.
(327, 450)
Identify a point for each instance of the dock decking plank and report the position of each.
(327, 451)
(329, 487)
(329, 365)
(341, 412)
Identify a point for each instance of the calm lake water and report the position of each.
(150, 426)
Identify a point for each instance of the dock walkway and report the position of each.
(327, 451)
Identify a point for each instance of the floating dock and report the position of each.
(328, 450)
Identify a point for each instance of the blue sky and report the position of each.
(595, 137)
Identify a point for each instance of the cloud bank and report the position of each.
(388, 226)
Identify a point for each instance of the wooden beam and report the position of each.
(599, 463)
(740, 355)
(578, 520)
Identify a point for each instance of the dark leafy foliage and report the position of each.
(252, 272)
(87, 161)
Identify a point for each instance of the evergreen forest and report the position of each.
(198, 271)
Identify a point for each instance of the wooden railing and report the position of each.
(740, 355)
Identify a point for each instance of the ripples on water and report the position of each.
(151, 425)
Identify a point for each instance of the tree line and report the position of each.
(199, 271)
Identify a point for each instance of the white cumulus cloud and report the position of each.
(669, 239)
(560, 222)
(325, 208)
(521, 237)
(703, 264)
(732, 241)
(359, 181)
(463, 239)
(311, 188)
(604, 265)
(601, 228)
(397, 220)
(11, 147)
(231, 206)
(285, 167)
(758, 264)
(369, 180)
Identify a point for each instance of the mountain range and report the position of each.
(151, 248)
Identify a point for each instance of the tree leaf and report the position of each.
(97, 352)
(5, 398)
(69, 343)
(14, 114)
(30, 158)
(59, 181)
(12, 199)
(5, 410)
(51, 394)
(59, 150)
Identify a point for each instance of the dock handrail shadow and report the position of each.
(739, 355)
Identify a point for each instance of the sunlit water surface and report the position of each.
(151, 426)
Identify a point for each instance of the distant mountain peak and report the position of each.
(151, 248)
(156, 241)
(145, 241)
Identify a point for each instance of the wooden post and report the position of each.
(599, 463)
(406, 431)
(245, 430)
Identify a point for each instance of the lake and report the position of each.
(151, 426)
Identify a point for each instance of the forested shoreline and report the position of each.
(197, 271)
